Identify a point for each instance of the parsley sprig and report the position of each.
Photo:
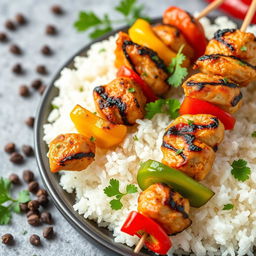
(178, 73)
(165, 106)
(240, 170)
(7, 203)
(113, 190)
(129, 9)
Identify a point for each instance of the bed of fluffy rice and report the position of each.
(214, 231)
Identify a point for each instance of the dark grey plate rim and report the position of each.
(77, 221)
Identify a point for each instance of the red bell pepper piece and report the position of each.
(236, 8)
(148, 92)
(195, 106)
(157, 240)
(191, 28)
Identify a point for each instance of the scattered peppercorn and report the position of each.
(57, 9)
(30, 121)
(33, 205)
(29, 213)
(18, 69)
(41, 192)
(7, 239)
(46, 50)
(43, 200)
(35, 240)
(14, 179)
(33, 187)
(20, 18)
(3, 37)
(36, 84)
(15, 49)
(46, 218)
(51, 30)
(33, 220)
(9, 148)
(10, 25)
(16, 158)
(48, 232)
(23, 207)
(27, 150)
(24, 91)
(42, 89)
(41, 69)
(28, 176)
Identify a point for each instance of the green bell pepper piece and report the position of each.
(152, 172)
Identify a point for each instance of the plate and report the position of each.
(63, 200)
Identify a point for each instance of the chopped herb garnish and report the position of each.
(81, 89)
(254, 134)
(179, 151)
(228, 207)
(55, 106)
(225, 80)
(155, 58)
(240, 170)
(135, 138)
(24, 232)
(243, 48)
(144, 74)
(168, 106)
(190, 122)
(132, 90)
(102, 50)
(113, 190)
(129, 9)
(9, 204)
(95, 113)
(92, 139)
(178, 73)
(241, 63)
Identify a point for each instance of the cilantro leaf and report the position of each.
(254, 134)
(190, 122)
(178, 73)
(5, 215)
(228, 207)
(179, 151)
(130, 189)
(89, 20)
(116, 204)
(165, 106)
(16, 207)
(125, 7)
(23, 196)
(86, 20)
(240, 170)
(5, 186)
(113, 190)
(243, 48)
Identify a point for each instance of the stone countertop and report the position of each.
(15, 109)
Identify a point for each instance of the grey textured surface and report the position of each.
(14, 109)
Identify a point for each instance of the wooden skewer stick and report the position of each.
(140, 243)
(209, 8)
(249, 16)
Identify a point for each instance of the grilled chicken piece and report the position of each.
(166, 207)
(71, 151)
(235, 43)
(121, 101)
(215, 89)
(189, 143)
(144, 61)
(206, 128)
(173, 38)
(230, 67)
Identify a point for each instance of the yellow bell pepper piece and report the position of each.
(106, 134)
(142, 33)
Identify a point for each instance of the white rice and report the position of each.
(214, 231)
